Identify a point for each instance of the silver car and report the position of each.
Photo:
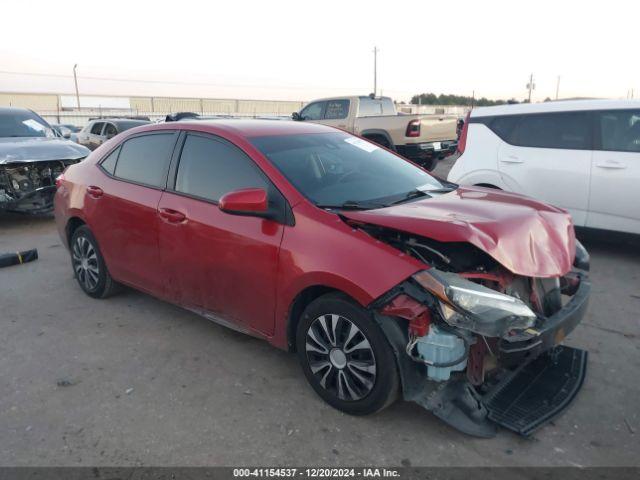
(100, 130)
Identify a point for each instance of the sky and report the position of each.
(305, 49)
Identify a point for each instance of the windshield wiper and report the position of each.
(410, 196)
(353, 205)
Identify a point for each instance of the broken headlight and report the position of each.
(473, 307)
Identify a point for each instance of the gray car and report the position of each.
(100, 130)
(32, 155)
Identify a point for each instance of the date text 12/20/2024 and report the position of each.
(316, 472)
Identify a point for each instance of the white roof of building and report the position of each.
(556, 106)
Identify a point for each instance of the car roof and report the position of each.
(244, 128)
(554, 106)
(14, 109)
(348, 97)
(121, 120)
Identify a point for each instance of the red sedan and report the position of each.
(384, 279)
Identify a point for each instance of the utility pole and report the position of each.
(531, 86)
(75, 79)
(375, 71)
(558, 87)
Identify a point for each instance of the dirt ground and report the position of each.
(135, 381)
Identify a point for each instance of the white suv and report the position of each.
(583, 156)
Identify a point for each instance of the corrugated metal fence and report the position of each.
(63, 108)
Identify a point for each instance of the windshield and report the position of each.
(23, 124)
(337, 170)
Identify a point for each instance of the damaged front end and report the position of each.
(478, 345)
(29, 187)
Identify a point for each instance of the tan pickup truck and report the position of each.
(423, 139)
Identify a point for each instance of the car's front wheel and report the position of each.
(345, 356)
(88, 265)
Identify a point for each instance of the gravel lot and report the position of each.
(136, 381)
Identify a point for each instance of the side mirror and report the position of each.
(295, 116)
(66, 133)
(250, 202)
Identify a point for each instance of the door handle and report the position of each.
(511, 159)
(611, 164)
(172, 216)
(95, 192)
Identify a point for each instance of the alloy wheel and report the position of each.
(340, 357)
(85, 263)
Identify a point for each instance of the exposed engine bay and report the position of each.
(28, 187)
(473, 329)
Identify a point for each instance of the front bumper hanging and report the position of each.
(542, 378)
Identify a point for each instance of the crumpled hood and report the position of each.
(527, 237)
(37, 149)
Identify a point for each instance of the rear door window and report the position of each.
(619, 130)
(210, 167)
(96, 129)
(313, 111)
(571, 130)
(336, 109)
(145, 159)
(110, 130)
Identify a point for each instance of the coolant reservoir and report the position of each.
(439, 346)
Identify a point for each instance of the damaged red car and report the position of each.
(385, 280)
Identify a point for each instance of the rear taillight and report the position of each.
(59, 180)
(413, 128)
(462, 141)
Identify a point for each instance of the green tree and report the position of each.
(450, 99)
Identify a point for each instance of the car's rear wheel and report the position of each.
(345, 356)
(88, 264)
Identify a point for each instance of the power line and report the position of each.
(175, 82)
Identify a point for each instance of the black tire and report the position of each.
(88, 265)
(380, 140)
(363, 392)
(431, 163)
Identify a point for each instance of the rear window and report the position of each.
(571, 130)
(145, 159)
(126, 125)
(370, 107)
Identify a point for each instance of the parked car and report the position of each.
(424, 139)
(98, 131)
(66, 131)
(382, 278)
(32, 155)
(583, 156)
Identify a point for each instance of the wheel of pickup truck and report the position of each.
(379, 139)
(88, 264)
(345, 356)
